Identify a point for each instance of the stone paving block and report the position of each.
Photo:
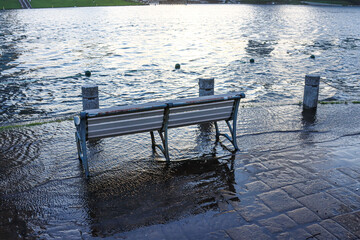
(254, 210)
(350, 222)
(255, 168)
(320, 233)
(226, 220)
(298, 234)
(247, 232)
(313, 186)
(354, 173)
(305, 172)
(279, 201)
(355, 188)
(257, 186)
(170, 229)
(346, 196)
(218, 235)
(303, 215)
(293, 191)
(272, 164)
(337, 230)
(337, 178)
(279, 178)
(280, 223)
(324, 205)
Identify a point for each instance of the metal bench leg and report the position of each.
(164, 139)
(84, 160)
(233, 133)
(78, 145)
(217, 131)
(232, 128)
(153, 143)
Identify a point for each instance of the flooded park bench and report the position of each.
(156, 116)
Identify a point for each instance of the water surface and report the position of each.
(132, 52)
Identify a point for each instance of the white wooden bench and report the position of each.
(156, 116)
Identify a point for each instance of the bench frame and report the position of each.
(81, 123)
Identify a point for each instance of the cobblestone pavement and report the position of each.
(298, 180)
(297, 176)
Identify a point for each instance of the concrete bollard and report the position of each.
(206, 86)
(311, 91)
(90, 97)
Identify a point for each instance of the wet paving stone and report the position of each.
(280, 177)
(355, 188)
(247, 232)
(338, 178)
(298, 234)
(337, 230)
(324, 205)
(313, 186)
(279, 201)
(320, 233)
(305, 172)
(354, 173)
(255, 168)
(278, 224)
(303, 215)
(350, 221)
(293, 191)
(254, 210)
(257, 187)
(218, 235)
(346, 196)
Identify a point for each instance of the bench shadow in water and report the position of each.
(163, 193)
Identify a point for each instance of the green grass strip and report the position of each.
(3, 128)
(9, 4)
(80, 3)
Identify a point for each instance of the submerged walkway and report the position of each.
(296, 177)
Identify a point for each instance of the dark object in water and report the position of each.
(87, 73)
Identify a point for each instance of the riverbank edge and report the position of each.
(137, 3)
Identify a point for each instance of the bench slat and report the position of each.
(198, 119)
(125, 116)
(124, 130)
(202, 106)
(226, 111)
(125, 123)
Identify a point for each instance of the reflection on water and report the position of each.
(123, 202)
(132, 51)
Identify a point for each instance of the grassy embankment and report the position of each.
(14, 4)
(338, 2)
(9, 4)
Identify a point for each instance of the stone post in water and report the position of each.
(206, 86)
(90, 97)
(311, 91)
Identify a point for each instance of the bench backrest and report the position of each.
(193, 111)
(124, 120)
(116, 121)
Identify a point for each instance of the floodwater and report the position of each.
(131, 52)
